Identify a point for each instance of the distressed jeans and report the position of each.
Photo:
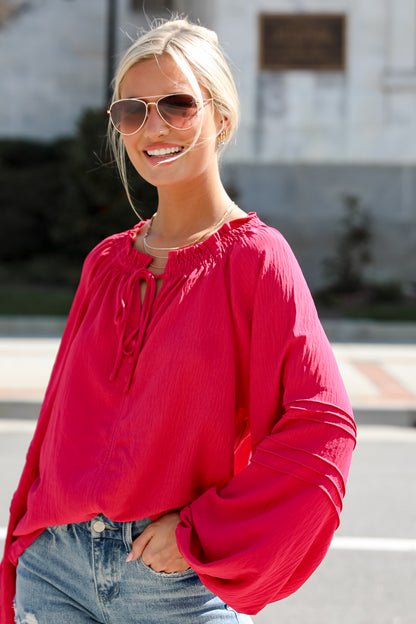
(77, 574)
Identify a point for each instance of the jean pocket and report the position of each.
(169, 575)
(136, 529)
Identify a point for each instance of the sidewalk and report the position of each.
(380, 373)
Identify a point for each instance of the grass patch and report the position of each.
(376, 304)
(35, 300)
(373, 312)
(55, 300)
(384, 312)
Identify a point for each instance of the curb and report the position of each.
(19, 410)
(32, 326)
(390, 417)
(29, 410)
(366, 331)
(337, 330)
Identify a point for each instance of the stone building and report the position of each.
(328, 105)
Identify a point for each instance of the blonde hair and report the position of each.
(196, 51)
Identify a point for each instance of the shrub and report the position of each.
(94, 204)
(61, 198)
(345, 269)
(30, 182)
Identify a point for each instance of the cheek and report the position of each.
(133, 151)
(130, 150)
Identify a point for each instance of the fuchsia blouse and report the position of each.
(219, 396)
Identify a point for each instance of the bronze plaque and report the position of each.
(302, 42)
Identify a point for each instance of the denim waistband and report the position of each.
(103, 527)
(137, 524)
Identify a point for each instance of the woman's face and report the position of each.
(149, 80)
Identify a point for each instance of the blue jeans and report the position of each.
(77, 574)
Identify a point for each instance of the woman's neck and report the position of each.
(185, 212)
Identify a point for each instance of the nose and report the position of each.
(154, 124)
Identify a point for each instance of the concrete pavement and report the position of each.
(377, 362)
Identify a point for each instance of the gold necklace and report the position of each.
(203, 235)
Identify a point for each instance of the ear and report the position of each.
(222, 123)
(223, 130)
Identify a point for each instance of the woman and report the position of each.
(191, 453)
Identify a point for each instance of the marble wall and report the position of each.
(366, 113)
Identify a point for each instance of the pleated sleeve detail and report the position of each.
(260, 537)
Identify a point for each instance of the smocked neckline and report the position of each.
(188, 257)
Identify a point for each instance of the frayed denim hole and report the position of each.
(28, 618)
(16, 617)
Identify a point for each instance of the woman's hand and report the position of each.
(157, 545)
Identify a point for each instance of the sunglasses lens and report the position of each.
(128, 115)
(178, 110)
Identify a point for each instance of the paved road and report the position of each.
(369, 574)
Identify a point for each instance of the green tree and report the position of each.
(346, 269)
(61, 198)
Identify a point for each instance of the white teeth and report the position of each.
(164, 151)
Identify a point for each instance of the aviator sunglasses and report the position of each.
(177, 110)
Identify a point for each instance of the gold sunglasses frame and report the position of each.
(155, 103)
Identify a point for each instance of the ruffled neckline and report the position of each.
(188, 258)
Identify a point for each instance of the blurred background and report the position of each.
(326, 153)
(326, 149)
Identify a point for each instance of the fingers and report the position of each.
(140, 544)
(157, 546)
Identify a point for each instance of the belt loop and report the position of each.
(127, 535)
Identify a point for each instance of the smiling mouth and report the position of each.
(165, 151)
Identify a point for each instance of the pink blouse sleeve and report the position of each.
(258, 539)
(31, 467)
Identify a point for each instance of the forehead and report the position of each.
(155, 76)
